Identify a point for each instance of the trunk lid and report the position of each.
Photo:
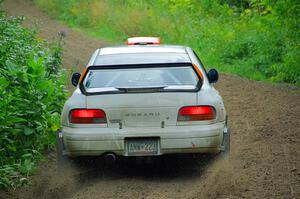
(142, 109)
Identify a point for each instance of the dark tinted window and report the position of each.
(141, 77)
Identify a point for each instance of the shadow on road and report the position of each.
(168, 167)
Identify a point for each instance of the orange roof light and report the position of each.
(143, 40)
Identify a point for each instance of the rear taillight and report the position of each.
(196, 113)
(87, 116)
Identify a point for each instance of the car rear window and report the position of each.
(184, 76)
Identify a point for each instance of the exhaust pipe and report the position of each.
(110, 158)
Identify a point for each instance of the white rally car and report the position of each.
(143, 99)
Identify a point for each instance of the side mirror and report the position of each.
(213, 75)
(75, 78)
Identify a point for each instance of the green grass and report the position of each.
(261, 45)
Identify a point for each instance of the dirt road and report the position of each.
(265, 158)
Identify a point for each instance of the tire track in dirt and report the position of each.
(264, 163)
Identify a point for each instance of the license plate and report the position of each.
(142, 146)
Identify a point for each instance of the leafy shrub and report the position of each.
(32, 93)
(258, 39)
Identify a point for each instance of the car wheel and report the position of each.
(63, 161)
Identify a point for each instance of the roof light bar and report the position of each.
(143, 40)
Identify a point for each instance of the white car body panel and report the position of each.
(144, 115)
(142, 49)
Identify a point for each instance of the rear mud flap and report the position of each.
(60, 143)
(226, 135)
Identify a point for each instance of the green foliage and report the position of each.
(258, 39)
(32, 93)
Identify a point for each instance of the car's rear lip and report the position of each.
(175, 139)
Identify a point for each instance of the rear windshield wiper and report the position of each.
(104, 90)
(148, 89)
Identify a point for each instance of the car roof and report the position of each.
(141, 54)
(142, 49)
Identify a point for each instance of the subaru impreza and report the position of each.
(143, 99)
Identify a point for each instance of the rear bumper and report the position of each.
(175, 139)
